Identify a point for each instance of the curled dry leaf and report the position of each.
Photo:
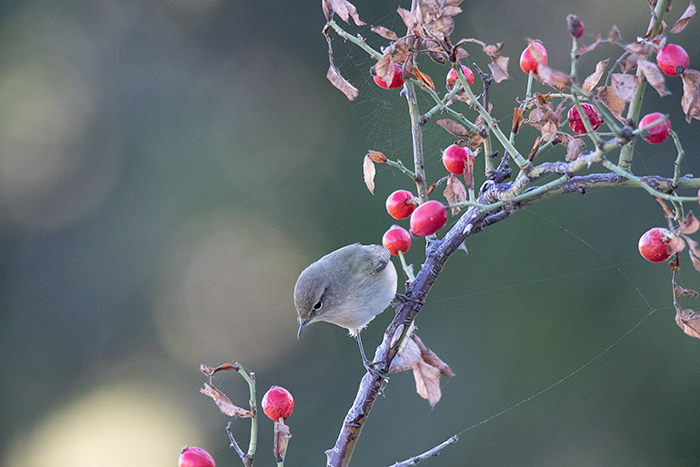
(592, 79)
(384, 32)
(210, 370)
(384, 68)
(653, 76)
(624, 85)
(691, 94)
(557, 79)
(675, 244)
(683, 20)
(689, 321)
(281, 435)
(689, 225)
(224, 403)
(614, 35)
(517, 120)
(535, 148)
(436, 16)
(609, 99)
(694, 252)
(574, 148)
(369, 171)
(499, 69)
(423, 78)
(427, 368)
(376, 156)
(455, 192)
(343, 8)
(453, 127)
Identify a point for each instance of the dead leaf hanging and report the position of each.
(683, 20)
(369, 171)
(690, 102)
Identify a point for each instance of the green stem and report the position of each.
(417, 136)
(399, 165)
(677, 162)
(358, 41)
(250, 379)
(635, 108)
(406, 268)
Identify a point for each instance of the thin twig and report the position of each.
(427, 454)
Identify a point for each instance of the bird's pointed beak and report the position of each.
(301, 326)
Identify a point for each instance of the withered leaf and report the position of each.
(384, 32)
(369, 171)
(343, 8)
(574, 148)
(499, 69)
(675, 244)
(426, 369)
(423, 78)
(592, 79)
(683, 292)
(535, 148)
(694, 253)
(653, 76)
(224, 403)
(517, 120)
(640, 48)
(493, 51)
(689, 321)
(609, 99)
(384, 68)
(548, 130)
(376, 156)
(210, 370)
(629, 64)
(281, 435)
(341, 83)
(683, 20)
(455, 192)
(689, 225)
(614, 35)
(436, 16)
(453, 127)
(557, 79)
(624, 85)
(691, 94)
(411, 21)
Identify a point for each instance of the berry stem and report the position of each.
(677, 162)
(358, 41)
(635, 108)
(408, 269)
(417, 137)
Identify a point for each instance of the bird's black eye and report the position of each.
(318, 305)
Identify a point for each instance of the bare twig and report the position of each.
(427, 454)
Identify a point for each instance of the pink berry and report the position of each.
(455, 158)
(400, 204)
(656, 134)
(576, 123)
(653, 245)
(396, 82)
(452, 78)
(673, 60)
(528, 62)
(428, 218)
(195, 457)
(397, 239)
(278, 403)
(575, 26)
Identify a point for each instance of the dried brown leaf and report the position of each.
(614, 35)
(453, 127)
(426, 369)
(431, 357)
(675, 244)
(455, 192)
(343, 8)
(683, 20)
(384, 68)
(548, 130)
(436, 16)
(281, 435)
(517, 120)
(691, 94)
(424, 78)
(624, 85)
(689, 225)
(499, 69)
(210, 370)
(592, 79)
(535, 148)
(493, 51)
(653, 76)
(609, 99)
(384, 32)
(369, 171)
(557, 79)
(640, 48)
(341, 83)
(689, 321)
(694, 253)
(224, 403)
(574, 148)
(411, 21)
(683, 292)
(376, 156)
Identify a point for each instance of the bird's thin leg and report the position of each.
(369, 366)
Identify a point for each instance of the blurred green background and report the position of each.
(168, 167)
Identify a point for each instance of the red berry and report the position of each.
(428, 218)
(195, 457)
(699, 196)
(673, 60)
(400, 204)
(528, 62)
(576, 123)
(455, 158)
(656, 134)
(397, 239)
(452, 77)
(278, 403)
(653, 245)
(396, 82)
